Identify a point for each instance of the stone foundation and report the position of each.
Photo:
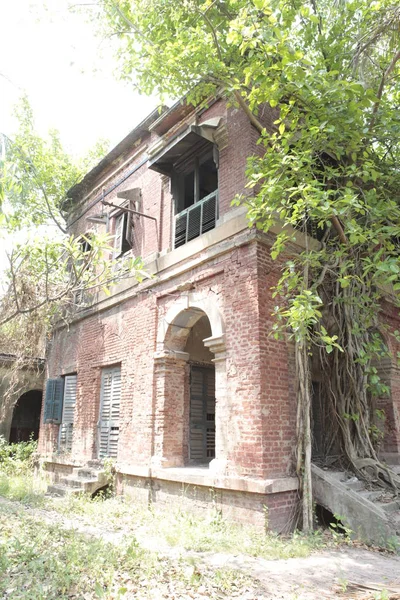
(273, 511)
(268, 504)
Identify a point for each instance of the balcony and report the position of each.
(196, 220)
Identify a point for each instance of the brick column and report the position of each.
(171, 408)
(217, 346)
(390, 375)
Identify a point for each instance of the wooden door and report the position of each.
(202, 415)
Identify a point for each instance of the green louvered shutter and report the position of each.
(109, 412)
(68, 414)
(53, 403)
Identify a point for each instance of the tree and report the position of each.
(48, 271)
(329, 169)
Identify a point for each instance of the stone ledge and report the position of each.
(203, 477)
(58, 459)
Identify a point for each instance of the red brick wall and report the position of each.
(276, 512)
(390, 319)
(261, 425)
(239, 142)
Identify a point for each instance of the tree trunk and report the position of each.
(304, 448)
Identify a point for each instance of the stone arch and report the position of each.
(12, 388)
(182, 315)
(172, 372)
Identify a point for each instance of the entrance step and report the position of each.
(363, 511)
(82, 480)
(390, 507)
(58, 489)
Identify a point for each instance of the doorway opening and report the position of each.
(26, 417)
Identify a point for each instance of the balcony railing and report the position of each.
(196, 220)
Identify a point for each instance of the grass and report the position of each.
(40, 561)
(180, 528)
(43, 557)
(177, 527)
(19, 480)
(26, 488)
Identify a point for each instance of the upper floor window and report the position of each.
(123, 234)
(191, 161)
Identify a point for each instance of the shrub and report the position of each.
(17, 458)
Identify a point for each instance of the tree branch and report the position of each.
(385, 75)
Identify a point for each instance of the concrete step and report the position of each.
(61, 490)
(368, 520)
(354, 484)
(347, 479)
(370, 495)
(340, 476)
(389, 507)
(86, 473)
(96, 463)
(77, 482)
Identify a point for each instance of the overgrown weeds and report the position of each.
(17, 458)
(18, 479)
(46, 562)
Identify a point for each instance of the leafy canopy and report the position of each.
(47, 268)
(330, 72)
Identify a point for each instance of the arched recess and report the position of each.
(26, 417)
(190, 350)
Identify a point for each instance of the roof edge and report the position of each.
(83, 186)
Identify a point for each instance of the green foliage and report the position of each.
(48, 270)
(333, 151)
(17, 478)
(18, 458)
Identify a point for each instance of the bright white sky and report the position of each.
(67, 72)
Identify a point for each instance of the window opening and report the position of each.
(123, 234)
(68, 414)
(110, 399)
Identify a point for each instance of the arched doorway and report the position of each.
(26, 417)
(190, 388)
(201, 438)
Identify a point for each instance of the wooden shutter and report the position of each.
(109, 412)
(53, 402)
(67, 424)
(119, 226)
(210, 414)
(202, 415)
(197, 440)
(196, 220)
(123, 240)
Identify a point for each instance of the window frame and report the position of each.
(69, 424)
(124, 220)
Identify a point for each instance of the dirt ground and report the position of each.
(343, 572)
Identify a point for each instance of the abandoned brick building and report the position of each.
(176, 377)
